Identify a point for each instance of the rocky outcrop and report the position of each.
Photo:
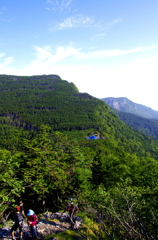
(49, 223)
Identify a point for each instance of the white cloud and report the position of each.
(47, 8)
(98, 36)
(6, 62)
(1, 55)
(113, 22)
(77, 21)
(49, 1)
(65, 3)
(59, 5)
(102, 27)
(4, 16)
(42, 54)
(136, 81)
(46, 58)
(109, 53)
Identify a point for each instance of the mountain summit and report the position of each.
(125, 105)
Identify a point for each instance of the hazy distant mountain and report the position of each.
(137, 116)
(126, 105)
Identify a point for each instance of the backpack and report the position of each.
(72, 208)
(19, 219)
(33, 218)
(68, 208)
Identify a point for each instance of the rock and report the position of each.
(49, 223)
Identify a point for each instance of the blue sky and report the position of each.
(107, 48)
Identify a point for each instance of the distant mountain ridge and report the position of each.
(125, 105)
(137, 116)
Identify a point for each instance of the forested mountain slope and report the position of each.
(46, 159)
(145, 125)
(27, 102)
(32, 101)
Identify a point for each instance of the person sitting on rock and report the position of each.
(18, 223)
(32, 221)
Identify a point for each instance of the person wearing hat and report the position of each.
(31, 221)
(18, 223)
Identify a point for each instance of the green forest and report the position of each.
(47, 158)
(141, 124)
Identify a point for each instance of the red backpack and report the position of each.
(33, 218)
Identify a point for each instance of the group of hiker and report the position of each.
(32, 220)
(19, 221)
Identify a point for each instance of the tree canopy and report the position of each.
(46, 158)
